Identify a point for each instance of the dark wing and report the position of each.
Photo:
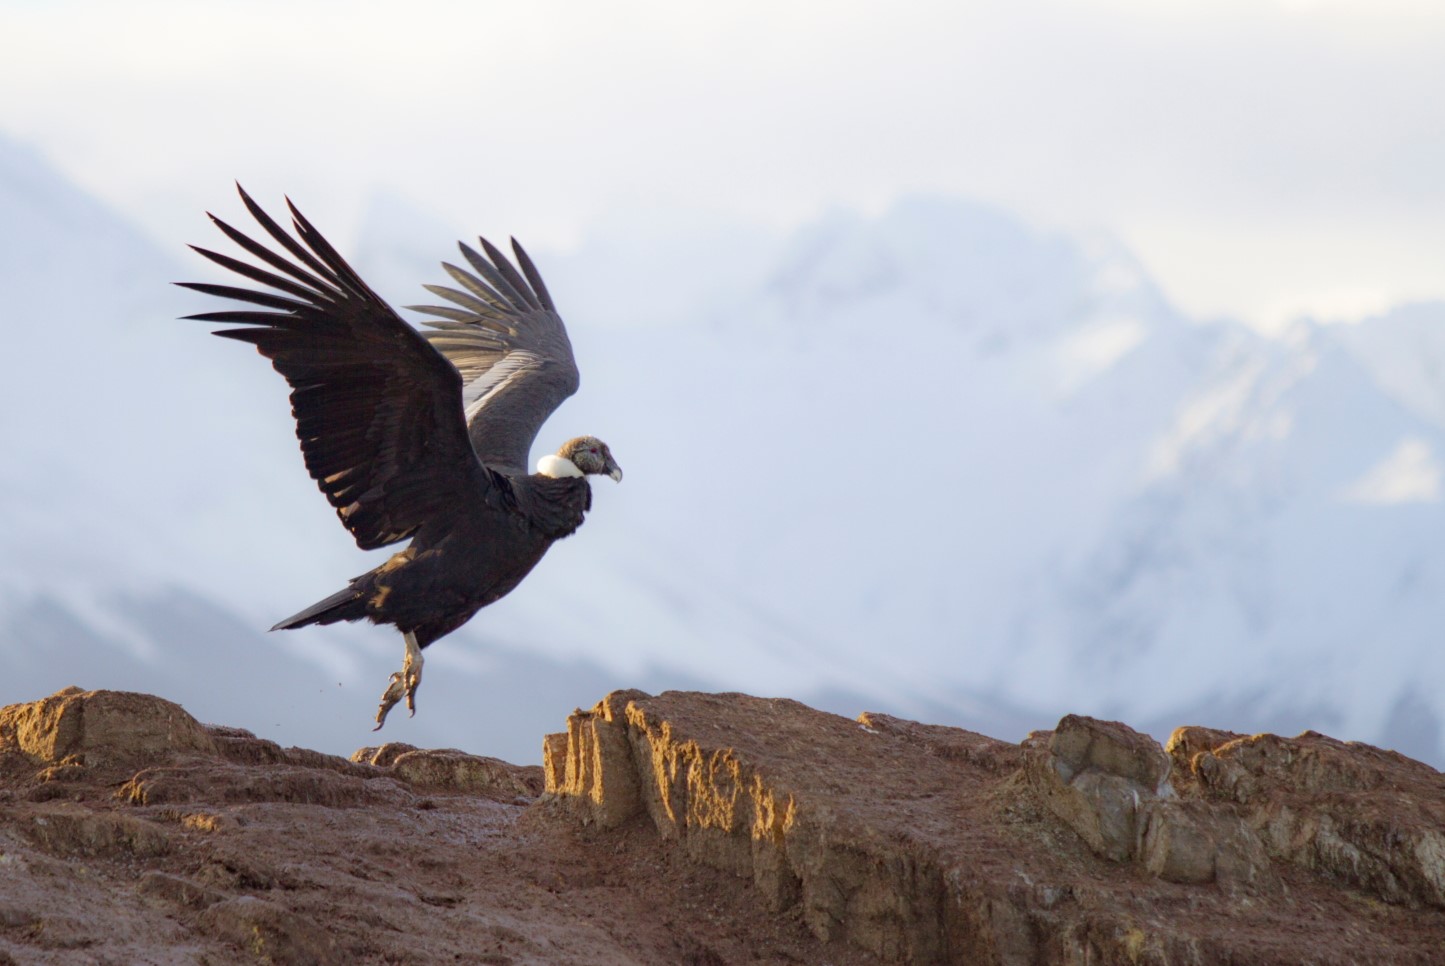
(378, 410)
(511, 348)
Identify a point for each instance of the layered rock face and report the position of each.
(710, 829)
(1087, 844)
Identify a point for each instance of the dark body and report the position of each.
(444, 577)
(418, 435)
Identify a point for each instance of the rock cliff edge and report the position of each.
(710, 829)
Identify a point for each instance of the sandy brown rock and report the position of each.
(99, 728)
(1099, 778)
(924, 844)
(75, 830)
(1112, 786)
(1368, 819)
(454, 770)
(233, 850)
(709, 829)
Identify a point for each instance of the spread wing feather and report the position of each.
(378, 410)
(504, 336)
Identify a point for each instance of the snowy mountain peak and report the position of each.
(968, 468)
(972, 267)
(1404, 350)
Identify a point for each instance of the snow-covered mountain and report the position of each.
(936, 462)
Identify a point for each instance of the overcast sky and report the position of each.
(1262, 158)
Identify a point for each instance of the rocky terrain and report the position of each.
(710, 829)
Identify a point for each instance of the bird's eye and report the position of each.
(593, 451)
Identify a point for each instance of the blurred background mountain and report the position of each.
(904, 429)
(933, 462)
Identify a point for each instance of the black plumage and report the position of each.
(418, 435)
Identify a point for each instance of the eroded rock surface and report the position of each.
(1088, 844)
(710, 829)
(130, 833)
(75, 727)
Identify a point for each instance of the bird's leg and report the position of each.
(403, 683)
(411, 668)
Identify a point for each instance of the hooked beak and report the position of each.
(614, 471)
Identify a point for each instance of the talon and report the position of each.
(403, 683)
(389, 698)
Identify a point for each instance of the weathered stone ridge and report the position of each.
(98, 727)
(927, 844)
(710, 829)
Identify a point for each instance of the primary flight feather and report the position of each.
(420, 435)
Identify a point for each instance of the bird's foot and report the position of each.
(395, 688)
(402, 684)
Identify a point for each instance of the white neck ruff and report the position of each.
(557, 466)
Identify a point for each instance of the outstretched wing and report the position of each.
(378, 410)
(508, 342)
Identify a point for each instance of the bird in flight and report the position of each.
(418, 435)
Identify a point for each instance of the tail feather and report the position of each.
(344, 605)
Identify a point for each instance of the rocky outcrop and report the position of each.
(131, 833)
(1112, 786)
(1366, 819)
(709, 829)
(75, 727)
(1087, 844)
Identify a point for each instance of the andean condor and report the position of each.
(419, 435)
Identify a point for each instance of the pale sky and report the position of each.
(1263, 159)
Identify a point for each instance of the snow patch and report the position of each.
(1086, 354)
(1410, 474)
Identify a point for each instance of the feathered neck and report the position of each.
(557, 466)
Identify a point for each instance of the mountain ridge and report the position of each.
(1005, 493)
(710, 828)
